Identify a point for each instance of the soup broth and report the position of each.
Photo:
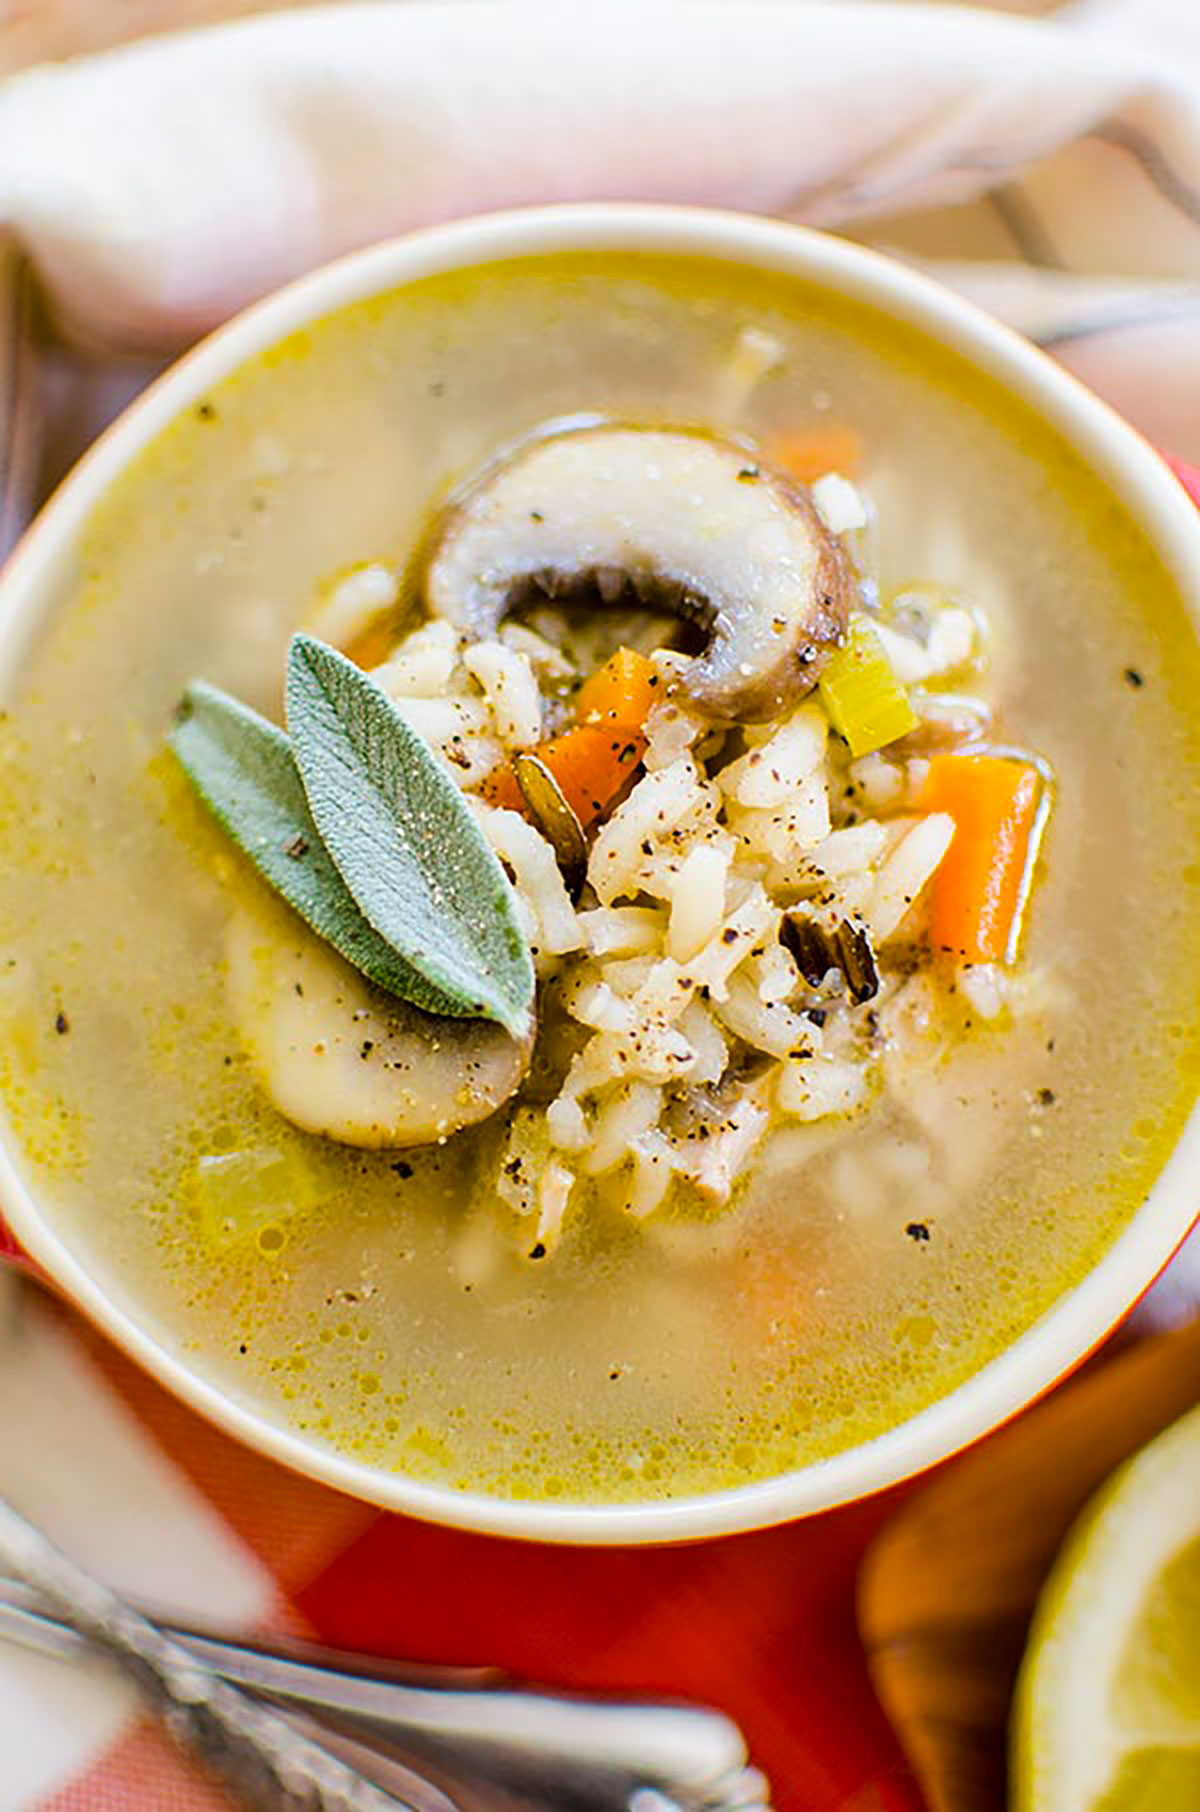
(370, 1299)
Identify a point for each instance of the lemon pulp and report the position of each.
(1107, 1716)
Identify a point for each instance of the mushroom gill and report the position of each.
(680, 520)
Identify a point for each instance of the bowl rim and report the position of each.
(1065, 1333)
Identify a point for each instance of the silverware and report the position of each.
(265, 1757)
(477, 1743)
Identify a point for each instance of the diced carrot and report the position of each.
(978, 891)
(621, 692)
(372, 645)
(809, 453)
(500, 788)
(592, 764)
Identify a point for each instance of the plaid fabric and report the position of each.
(762, 1626)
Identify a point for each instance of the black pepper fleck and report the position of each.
(918, 1231)
(538, 1251)
(62, 1024)
(402, 1169)
(1133, 678)
(1046, 1097)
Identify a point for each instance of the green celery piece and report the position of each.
(865, 701)
(239, 1196)
(404, 839)
(241, 766)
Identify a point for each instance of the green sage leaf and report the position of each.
(241, 765)
(405, 840)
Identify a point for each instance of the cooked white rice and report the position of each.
(696, 1035)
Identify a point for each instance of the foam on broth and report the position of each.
(392, 1320)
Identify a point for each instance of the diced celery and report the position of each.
(249, 1195)
(865, 701)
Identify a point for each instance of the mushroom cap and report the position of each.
(683, 520)
(339, 1057)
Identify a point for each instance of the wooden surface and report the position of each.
(18, 402)
(947, 1589)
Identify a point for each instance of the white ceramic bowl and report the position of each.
(1060, 1338)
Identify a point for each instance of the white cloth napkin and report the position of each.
(1054, 162)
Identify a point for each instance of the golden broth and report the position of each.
(391, 1317)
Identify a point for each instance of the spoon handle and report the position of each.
(261, 1756)
(474, 1731)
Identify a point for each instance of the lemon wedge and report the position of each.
(1107, 1715)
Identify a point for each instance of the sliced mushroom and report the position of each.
(339, 1057)
(676, 519)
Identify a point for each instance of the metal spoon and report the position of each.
(485, 1741)
(262, 1756)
